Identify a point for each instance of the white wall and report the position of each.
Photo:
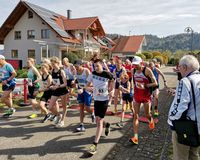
(25, 44)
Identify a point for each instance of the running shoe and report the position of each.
(61, 124)
(156, 113)
(52, 117)
(81, 128)
(93, 118)
(32, 116)
(151, 125)
(107, 129)
(92, 149)
(10, 111)
(57, 120)
(134, 140)
(46, 118)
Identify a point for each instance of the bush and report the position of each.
(159, 59)
(156, 54)
(71, 56)
(141, 55)
(22, 73)
(148, 55)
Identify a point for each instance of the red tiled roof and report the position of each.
(128, 44)
(71, 40)
(79, 23)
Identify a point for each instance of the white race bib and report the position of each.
(30, 82)
(101, 91)
(56, 82)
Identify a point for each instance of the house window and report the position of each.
(30, 14)
(17, 34)
(45, 33)
(31, 53)
(14, 53)
(44, 53)
(31, 34)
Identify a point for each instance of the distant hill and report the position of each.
(172, 42)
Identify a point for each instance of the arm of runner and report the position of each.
(125, 90)
(150, 74)
(163, 77)
(64, 79)
(36, 72)
(89, 86)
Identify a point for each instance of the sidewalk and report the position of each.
(24, 139)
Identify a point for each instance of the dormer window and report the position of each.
(30, 14)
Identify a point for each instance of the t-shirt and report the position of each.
(100, 83)
(6, 71)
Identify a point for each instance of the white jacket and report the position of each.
(183, 99)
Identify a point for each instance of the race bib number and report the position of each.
(30, 83)
(43, 85)
(140, 85)
(56, 81)
(101, 91)
(1, 75)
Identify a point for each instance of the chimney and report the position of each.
(69, 14)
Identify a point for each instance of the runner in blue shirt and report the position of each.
(7, 77)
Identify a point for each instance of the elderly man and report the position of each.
(188, 67)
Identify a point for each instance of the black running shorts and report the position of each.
(100, 108)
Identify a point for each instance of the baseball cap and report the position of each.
(2, 57)
(136, 60)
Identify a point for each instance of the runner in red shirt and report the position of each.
(128, 67)
(143, 80)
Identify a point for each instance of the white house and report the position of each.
(32, 31)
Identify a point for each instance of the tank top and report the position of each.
(57, 77)
(140, 80)
(155, 73)
(82, 79)
(44, 83)
(118, 74)
(125, 85)
(31, 78)
(68, 73)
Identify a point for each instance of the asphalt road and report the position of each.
(24, 139)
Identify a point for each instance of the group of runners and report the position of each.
(129, 84)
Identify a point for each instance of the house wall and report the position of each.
(24, 44)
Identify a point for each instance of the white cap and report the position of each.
(136, 60)
(2, 57)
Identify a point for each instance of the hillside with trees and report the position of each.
(170, 43)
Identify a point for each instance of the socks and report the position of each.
(136, 135)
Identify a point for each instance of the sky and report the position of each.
(125, 17)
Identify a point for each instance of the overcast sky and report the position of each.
(157, 17)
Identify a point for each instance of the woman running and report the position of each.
(34, 78)
(58, 91)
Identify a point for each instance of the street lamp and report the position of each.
(190, 30)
